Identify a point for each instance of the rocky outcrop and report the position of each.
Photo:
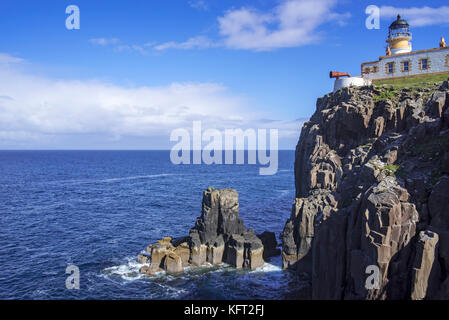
(426, 249)
(245, 250)
(218, 236)
(370, 219)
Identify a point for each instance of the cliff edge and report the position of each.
(371, 215)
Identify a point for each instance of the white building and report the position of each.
(400, 61)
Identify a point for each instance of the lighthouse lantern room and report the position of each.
(399, 37)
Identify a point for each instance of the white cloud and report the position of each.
(292, 23)
(115, 43)
(199, 42)
(8, 59)
(104, 41)
(134, 47)
(149, 44)
(418, 17)
(37, 109)
(199, 5)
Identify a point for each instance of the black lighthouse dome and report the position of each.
(399, 23)
(399, 28)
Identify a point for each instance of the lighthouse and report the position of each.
(399, 37)
(399, 61)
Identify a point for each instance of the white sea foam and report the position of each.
(109, 180)
(40, 293)
(50, 273)
(173, 292)
(283, 192)
(129, 271)
(136, 177)
(275, 265)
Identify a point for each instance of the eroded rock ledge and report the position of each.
(218, 236)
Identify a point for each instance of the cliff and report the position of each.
(372, 194)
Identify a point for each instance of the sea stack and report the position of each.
(218, 236)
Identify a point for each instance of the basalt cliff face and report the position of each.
(371, 215)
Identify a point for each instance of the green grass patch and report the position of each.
(413, 81)
(388, 94)
(391, 169)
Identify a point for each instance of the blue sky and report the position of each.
(135, 70)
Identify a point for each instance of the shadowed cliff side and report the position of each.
(372, 189)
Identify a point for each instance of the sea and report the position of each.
(97, 210)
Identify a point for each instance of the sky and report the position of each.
(136, 70)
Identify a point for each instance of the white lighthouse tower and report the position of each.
(399, 37)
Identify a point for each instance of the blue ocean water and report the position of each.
(99, 209)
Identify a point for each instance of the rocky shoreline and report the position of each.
(219, 236)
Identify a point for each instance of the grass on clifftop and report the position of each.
(413, 82)
(385, 95)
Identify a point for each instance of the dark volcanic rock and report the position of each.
(269, 244)
(439, 204)
(228, 217)
(234, 251)
(372, 193)
(216, 250)
(245, 250)
(198, 250)
(207, 223)
(220, 215)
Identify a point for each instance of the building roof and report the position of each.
(399, 23)
(406, 54)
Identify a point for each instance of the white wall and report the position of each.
(350, 82)
(437, 64)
